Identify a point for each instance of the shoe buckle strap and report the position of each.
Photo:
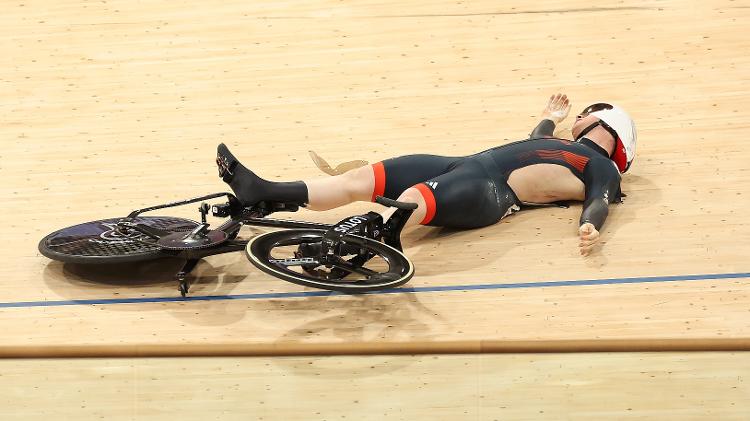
(225, 167)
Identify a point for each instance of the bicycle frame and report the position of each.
(371, 225)
(238, 217)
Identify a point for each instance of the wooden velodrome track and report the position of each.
(111, 106)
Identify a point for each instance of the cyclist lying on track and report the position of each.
(478, 190)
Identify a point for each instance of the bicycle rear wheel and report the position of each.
(98, 242)
(369, 266)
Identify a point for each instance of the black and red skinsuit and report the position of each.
(472, 191)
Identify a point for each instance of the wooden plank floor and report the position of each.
(113, 106)
(110, 106)
(664, 386)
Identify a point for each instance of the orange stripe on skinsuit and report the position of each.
(429, 200)
(578, 161)
(379, 171)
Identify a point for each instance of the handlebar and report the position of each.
(395, 203)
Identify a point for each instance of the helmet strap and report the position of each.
(589, 128)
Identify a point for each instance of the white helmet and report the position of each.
(615, 120)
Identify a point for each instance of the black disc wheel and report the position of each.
(360, 264)
(99, 242)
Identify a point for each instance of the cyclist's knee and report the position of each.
(411, 195)
(414, 195)
(359, 183)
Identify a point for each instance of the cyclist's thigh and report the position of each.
(467, 197)
(393, 176)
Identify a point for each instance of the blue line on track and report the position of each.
(109, 301)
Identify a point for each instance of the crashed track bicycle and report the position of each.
(358, 254)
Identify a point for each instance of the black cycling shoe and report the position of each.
(251, 189)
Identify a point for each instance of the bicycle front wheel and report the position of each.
(367, 265)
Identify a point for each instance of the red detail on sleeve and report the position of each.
(379, 171)
(429, 200)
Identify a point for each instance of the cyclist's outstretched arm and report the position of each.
(602, 188)
(558, 107)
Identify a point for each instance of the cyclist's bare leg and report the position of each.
(357, 185)
(332, 192)
(318, 194)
